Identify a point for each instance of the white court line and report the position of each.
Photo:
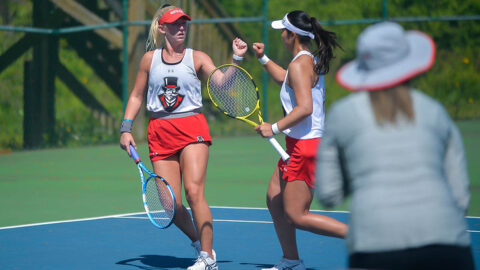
(264, 208)
(68, 221)
(311, 210)
(215, 220)
(243, 221)
(104, 217)
(139, 213)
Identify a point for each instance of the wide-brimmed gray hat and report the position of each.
(387, 56)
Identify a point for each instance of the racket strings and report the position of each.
(160, 203)
(233, 91)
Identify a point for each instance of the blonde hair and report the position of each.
(390, 103)
(154, 39)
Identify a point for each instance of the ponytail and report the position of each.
(154, 39)
(326, 41)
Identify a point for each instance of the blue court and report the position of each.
(244, 238)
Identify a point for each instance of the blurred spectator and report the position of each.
(398, 154)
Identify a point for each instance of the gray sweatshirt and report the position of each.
(408, 182)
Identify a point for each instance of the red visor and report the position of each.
(173, 15)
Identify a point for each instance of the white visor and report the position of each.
(285, 23)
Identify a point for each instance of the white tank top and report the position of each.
(312, 126)
(173, 88)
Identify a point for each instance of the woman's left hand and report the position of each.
(265, 130)
(239, 47)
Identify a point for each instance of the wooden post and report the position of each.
(136, 49)
(30, 136)
(39, 96)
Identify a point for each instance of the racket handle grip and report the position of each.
(134, 154)
(279, 148)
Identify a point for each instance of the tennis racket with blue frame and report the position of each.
(157, 195)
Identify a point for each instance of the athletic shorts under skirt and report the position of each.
(302, 164)
(168, 136)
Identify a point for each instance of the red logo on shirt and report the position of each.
(170, 98)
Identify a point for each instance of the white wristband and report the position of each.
(263, 60)
(237, 58)
(275, 129)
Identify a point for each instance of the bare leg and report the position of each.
(285, 230)
(297, 197)
(169, 169)
(193, 163)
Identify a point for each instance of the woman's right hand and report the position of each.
(126, 139)
(265, 130)
(259, 49)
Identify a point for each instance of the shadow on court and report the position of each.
(157, 261)
(148, 262)
(259, 265)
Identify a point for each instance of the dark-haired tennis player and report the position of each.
(178, 134)
(302, 94)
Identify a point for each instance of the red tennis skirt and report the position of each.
(168, 136)
(302, 164)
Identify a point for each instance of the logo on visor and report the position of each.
(176, 11)
(170, 98)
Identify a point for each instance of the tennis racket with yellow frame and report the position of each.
(234, 92)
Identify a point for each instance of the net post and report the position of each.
(125, 54)
(384, 10)
(264, 72)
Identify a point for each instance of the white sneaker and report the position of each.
(197, 247)
(204, 262)
(285, 264)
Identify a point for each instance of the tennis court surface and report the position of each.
(244, 238)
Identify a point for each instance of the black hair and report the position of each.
(165, 5)
(326, 41)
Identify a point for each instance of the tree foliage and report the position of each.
(454, 80)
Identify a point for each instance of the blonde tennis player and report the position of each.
(178, 134)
